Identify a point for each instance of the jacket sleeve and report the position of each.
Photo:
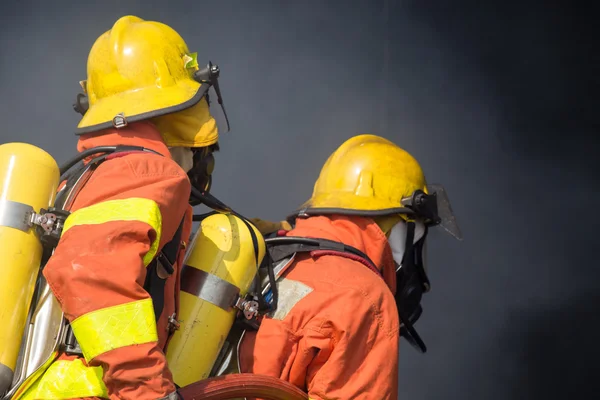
(353, 355)
(126, 212)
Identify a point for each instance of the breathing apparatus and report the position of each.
(407, 240)
(246, 305)
(198, 302)
(423, 211)
(163, 83)
(75, 173)
(203, 166)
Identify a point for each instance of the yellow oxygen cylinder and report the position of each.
(28, 182)
(220, 265)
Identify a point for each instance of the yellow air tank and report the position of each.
(220, 265)
(28, 182)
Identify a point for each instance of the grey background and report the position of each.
(494, 100)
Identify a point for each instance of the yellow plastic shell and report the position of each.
(140, 69)
(28, 177)
(223, 248)
(367, 174)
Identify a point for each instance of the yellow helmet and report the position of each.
(139, 70)
(371, 176)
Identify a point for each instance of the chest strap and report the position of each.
(167, 257)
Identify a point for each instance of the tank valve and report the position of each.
(45, 221)
(50, 224)
(248, 307)
(173, 324)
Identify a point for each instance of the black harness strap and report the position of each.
(154, 284)
(285, 246)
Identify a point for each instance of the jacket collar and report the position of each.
(142, 134)
(361, 233)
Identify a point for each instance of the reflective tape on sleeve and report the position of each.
(132, 209)
(114, 327)
(68, 379)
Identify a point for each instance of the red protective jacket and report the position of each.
(126, 212)
(335, 333)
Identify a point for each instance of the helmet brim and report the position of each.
(348, 204)
(141, 104)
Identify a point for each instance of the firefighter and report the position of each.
(111, 272)
(335, 331)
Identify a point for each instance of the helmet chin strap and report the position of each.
(397, 239)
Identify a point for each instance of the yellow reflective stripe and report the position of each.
(114, 327)
(32, 379)
(132, 209)
(66, 379)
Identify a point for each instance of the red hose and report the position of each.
(235, 386)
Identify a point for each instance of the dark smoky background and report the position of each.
(497, 100)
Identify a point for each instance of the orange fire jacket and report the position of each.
(335, 333)
(129, 209)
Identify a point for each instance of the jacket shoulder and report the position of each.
(148, 174)
(343, 293)
(140, 175)
(145, 164)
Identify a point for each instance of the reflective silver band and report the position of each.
(16, 215)
(209, 287)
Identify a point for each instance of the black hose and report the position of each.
(197, 197)
(273, 283)
(100, 149)
(84, 154)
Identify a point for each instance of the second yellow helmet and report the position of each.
(369, 175)
(366, 175)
